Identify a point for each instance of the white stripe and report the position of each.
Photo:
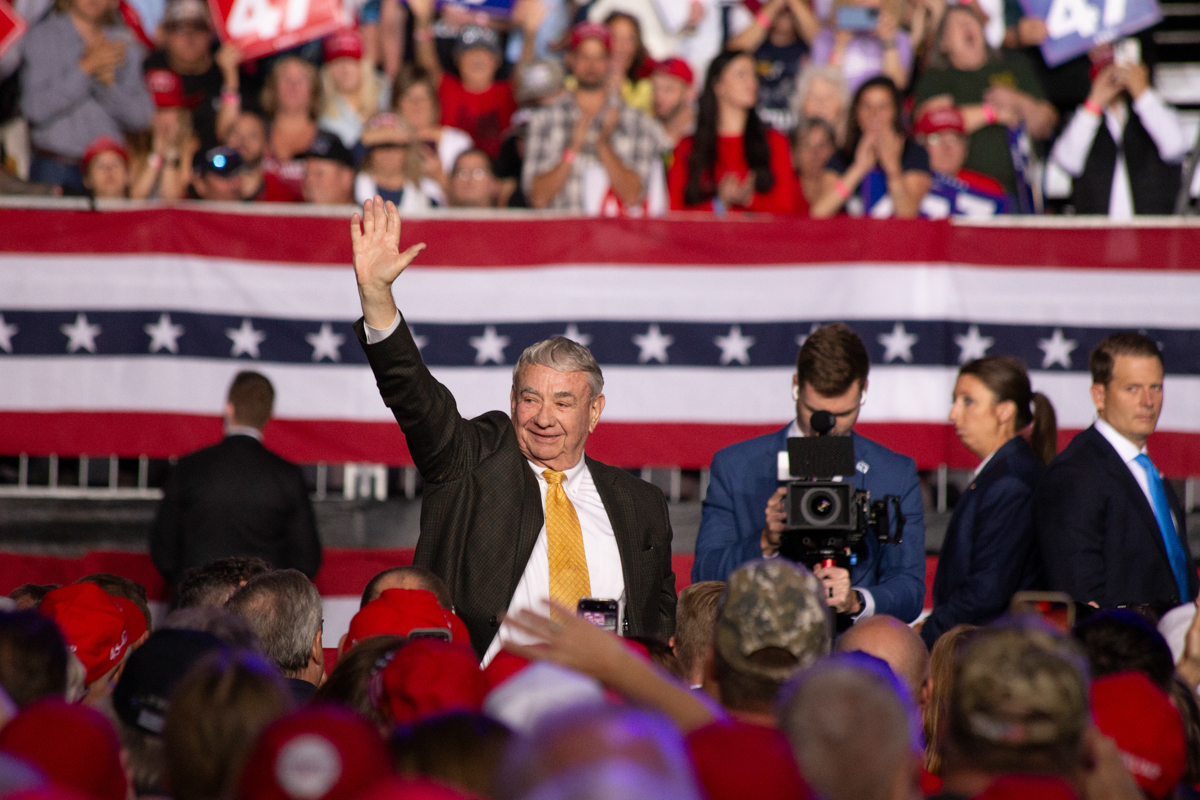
(1104, 298)
(633, 394)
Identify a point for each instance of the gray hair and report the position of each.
(563, 355)
(284, 611)
(850, 727)
(821, 72)
(618, 734)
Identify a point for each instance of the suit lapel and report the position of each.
(618, 505)
(1119, 471)
(532, 520)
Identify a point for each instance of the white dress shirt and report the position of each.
(868, 604)
(599, 542)
(1128, 451)
(599, 546)
(1075, 143)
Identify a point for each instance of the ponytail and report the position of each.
(1044, 436)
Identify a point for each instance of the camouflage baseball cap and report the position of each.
(1019, 685)
(773, 603)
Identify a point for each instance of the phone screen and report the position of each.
(601, 613)
(857, 18)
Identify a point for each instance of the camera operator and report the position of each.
(744, 515)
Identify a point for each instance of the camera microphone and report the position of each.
(822, 422)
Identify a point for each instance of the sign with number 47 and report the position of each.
(262, 27)
(1075, 26)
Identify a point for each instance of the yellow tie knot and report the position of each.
(554, 478)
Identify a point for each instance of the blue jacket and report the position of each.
(743, 478)
(988, 554)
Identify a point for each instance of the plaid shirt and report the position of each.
(638, 141)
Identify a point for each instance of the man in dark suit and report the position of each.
(236, 498)
(743, 514)
(1110, 530)
(514, 513)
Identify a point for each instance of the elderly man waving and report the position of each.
(514, 512)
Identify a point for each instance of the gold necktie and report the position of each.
(568, 563)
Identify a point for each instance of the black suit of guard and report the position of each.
(481, 511)
(236, 498)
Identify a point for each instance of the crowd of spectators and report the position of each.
(229, 697)
(881, 108)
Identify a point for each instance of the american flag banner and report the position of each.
(120, 330)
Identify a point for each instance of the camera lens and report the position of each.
(821, 507)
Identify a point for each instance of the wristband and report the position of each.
(230, 98)
(989, 113)
(568, 157)
(842, 189)
(763, 19)
(1092, 106)
(155, 161)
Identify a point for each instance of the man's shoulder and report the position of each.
(752, 449)
(616, 477)
(1087, 447)
(880, 457)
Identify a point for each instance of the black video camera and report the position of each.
(826, 518)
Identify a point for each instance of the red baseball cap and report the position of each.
(502, 667)
(74, 745)
(1146, 727)
(427, 677)
(590, 30)
(135, 620)
(316, 753)
(103, 144)
(936, 120)
(166, 88)
(734, 760)
(93, 623)
(1028, 787)
(677, 67)
(345, 43)
(401, 612)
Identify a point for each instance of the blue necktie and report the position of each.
(1162, 512)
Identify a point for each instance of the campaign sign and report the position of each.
(262, 27)
(497, 8)
(12, 27)
(1076, 26)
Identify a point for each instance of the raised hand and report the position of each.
(377, 263)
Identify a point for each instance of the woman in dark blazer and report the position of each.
(987, 554)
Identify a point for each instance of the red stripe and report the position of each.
(622, 444)
(344, 571)
(688, 240)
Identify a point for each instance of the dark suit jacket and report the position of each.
(743, 478)
(988, 552)
(1096, 532)
(481, 511)
(236, 498)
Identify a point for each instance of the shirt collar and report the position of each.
(574, 474)
(983, 464)
(794, 430)
(1126, 449)
(243, 430)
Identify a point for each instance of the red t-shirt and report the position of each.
(276, 191)
(785, 196)
(484, 115)
(736, 760)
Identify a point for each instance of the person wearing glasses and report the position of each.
(473, 183)
(743, 517)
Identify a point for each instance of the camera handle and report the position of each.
(883, 528)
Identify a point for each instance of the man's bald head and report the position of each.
(890, 640)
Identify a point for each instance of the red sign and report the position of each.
(12, 27)
(262, 27)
